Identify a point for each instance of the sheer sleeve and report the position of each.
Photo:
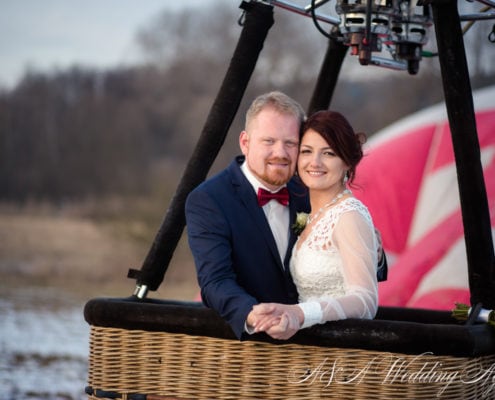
(355, 239)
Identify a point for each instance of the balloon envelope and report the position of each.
(408, 181)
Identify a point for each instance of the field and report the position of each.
(86, 249)
(53, 260)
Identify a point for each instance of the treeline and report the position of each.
(79, 133)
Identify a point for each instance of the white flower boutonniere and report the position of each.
(301, 221)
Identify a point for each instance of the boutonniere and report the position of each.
(461, 312)
(301, 221)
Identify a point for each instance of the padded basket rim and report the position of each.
(407, 335)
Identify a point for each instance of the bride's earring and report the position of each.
(346, 178)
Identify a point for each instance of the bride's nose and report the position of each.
(315, 160)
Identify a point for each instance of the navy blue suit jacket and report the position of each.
(235, 253)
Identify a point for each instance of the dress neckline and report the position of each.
(299, 242)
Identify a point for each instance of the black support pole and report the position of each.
(327, 78)
(257, 23)
(472, 190)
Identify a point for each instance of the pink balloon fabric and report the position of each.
(408, 181)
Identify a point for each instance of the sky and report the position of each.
(47, 34)
(43, 35)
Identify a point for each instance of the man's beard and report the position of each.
(277, 177)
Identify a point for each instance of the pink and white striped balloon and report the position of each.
(408, 181)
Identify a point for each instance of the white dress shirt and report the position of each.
(276, 213)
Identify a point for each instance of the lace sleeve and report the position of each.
(355, 240)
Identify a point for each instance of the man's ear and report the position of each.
(244, 142)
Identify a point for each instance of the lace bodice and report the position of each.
(335, 262)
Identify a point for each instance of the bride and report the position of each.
(334, 260)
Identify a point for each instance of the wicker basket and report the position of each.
(195, 367)
(172, 359)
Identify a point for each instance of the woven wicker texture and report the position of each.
(196, 367)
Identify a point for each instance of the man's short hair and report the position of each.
(277, 100)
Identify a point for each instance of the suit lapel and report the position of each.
(247, 196)
(292, 235)
(299, 202)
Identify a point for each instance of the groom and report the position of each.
(242, 247)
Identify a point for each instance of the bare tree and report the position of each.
(81, 132)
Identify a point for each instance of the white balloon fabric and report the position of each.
(408, 181)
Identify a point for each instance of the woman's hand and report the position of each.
(264, 315)
(280, 321)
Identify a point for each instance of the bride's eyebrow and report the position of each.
(311, 147)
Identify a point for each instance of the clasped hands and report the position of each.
(280, 321)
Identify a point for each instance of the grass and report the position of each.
(87, 248)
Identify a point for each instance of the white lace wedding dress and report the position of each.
(334, 263)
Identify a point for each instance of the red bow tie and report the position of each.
(264, 196)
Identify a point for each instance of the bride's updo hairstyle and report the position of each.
(339, 135)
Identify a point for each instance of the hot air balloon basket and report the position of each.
(183, 361)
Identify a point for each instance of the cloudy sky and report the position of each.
(45, 34)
